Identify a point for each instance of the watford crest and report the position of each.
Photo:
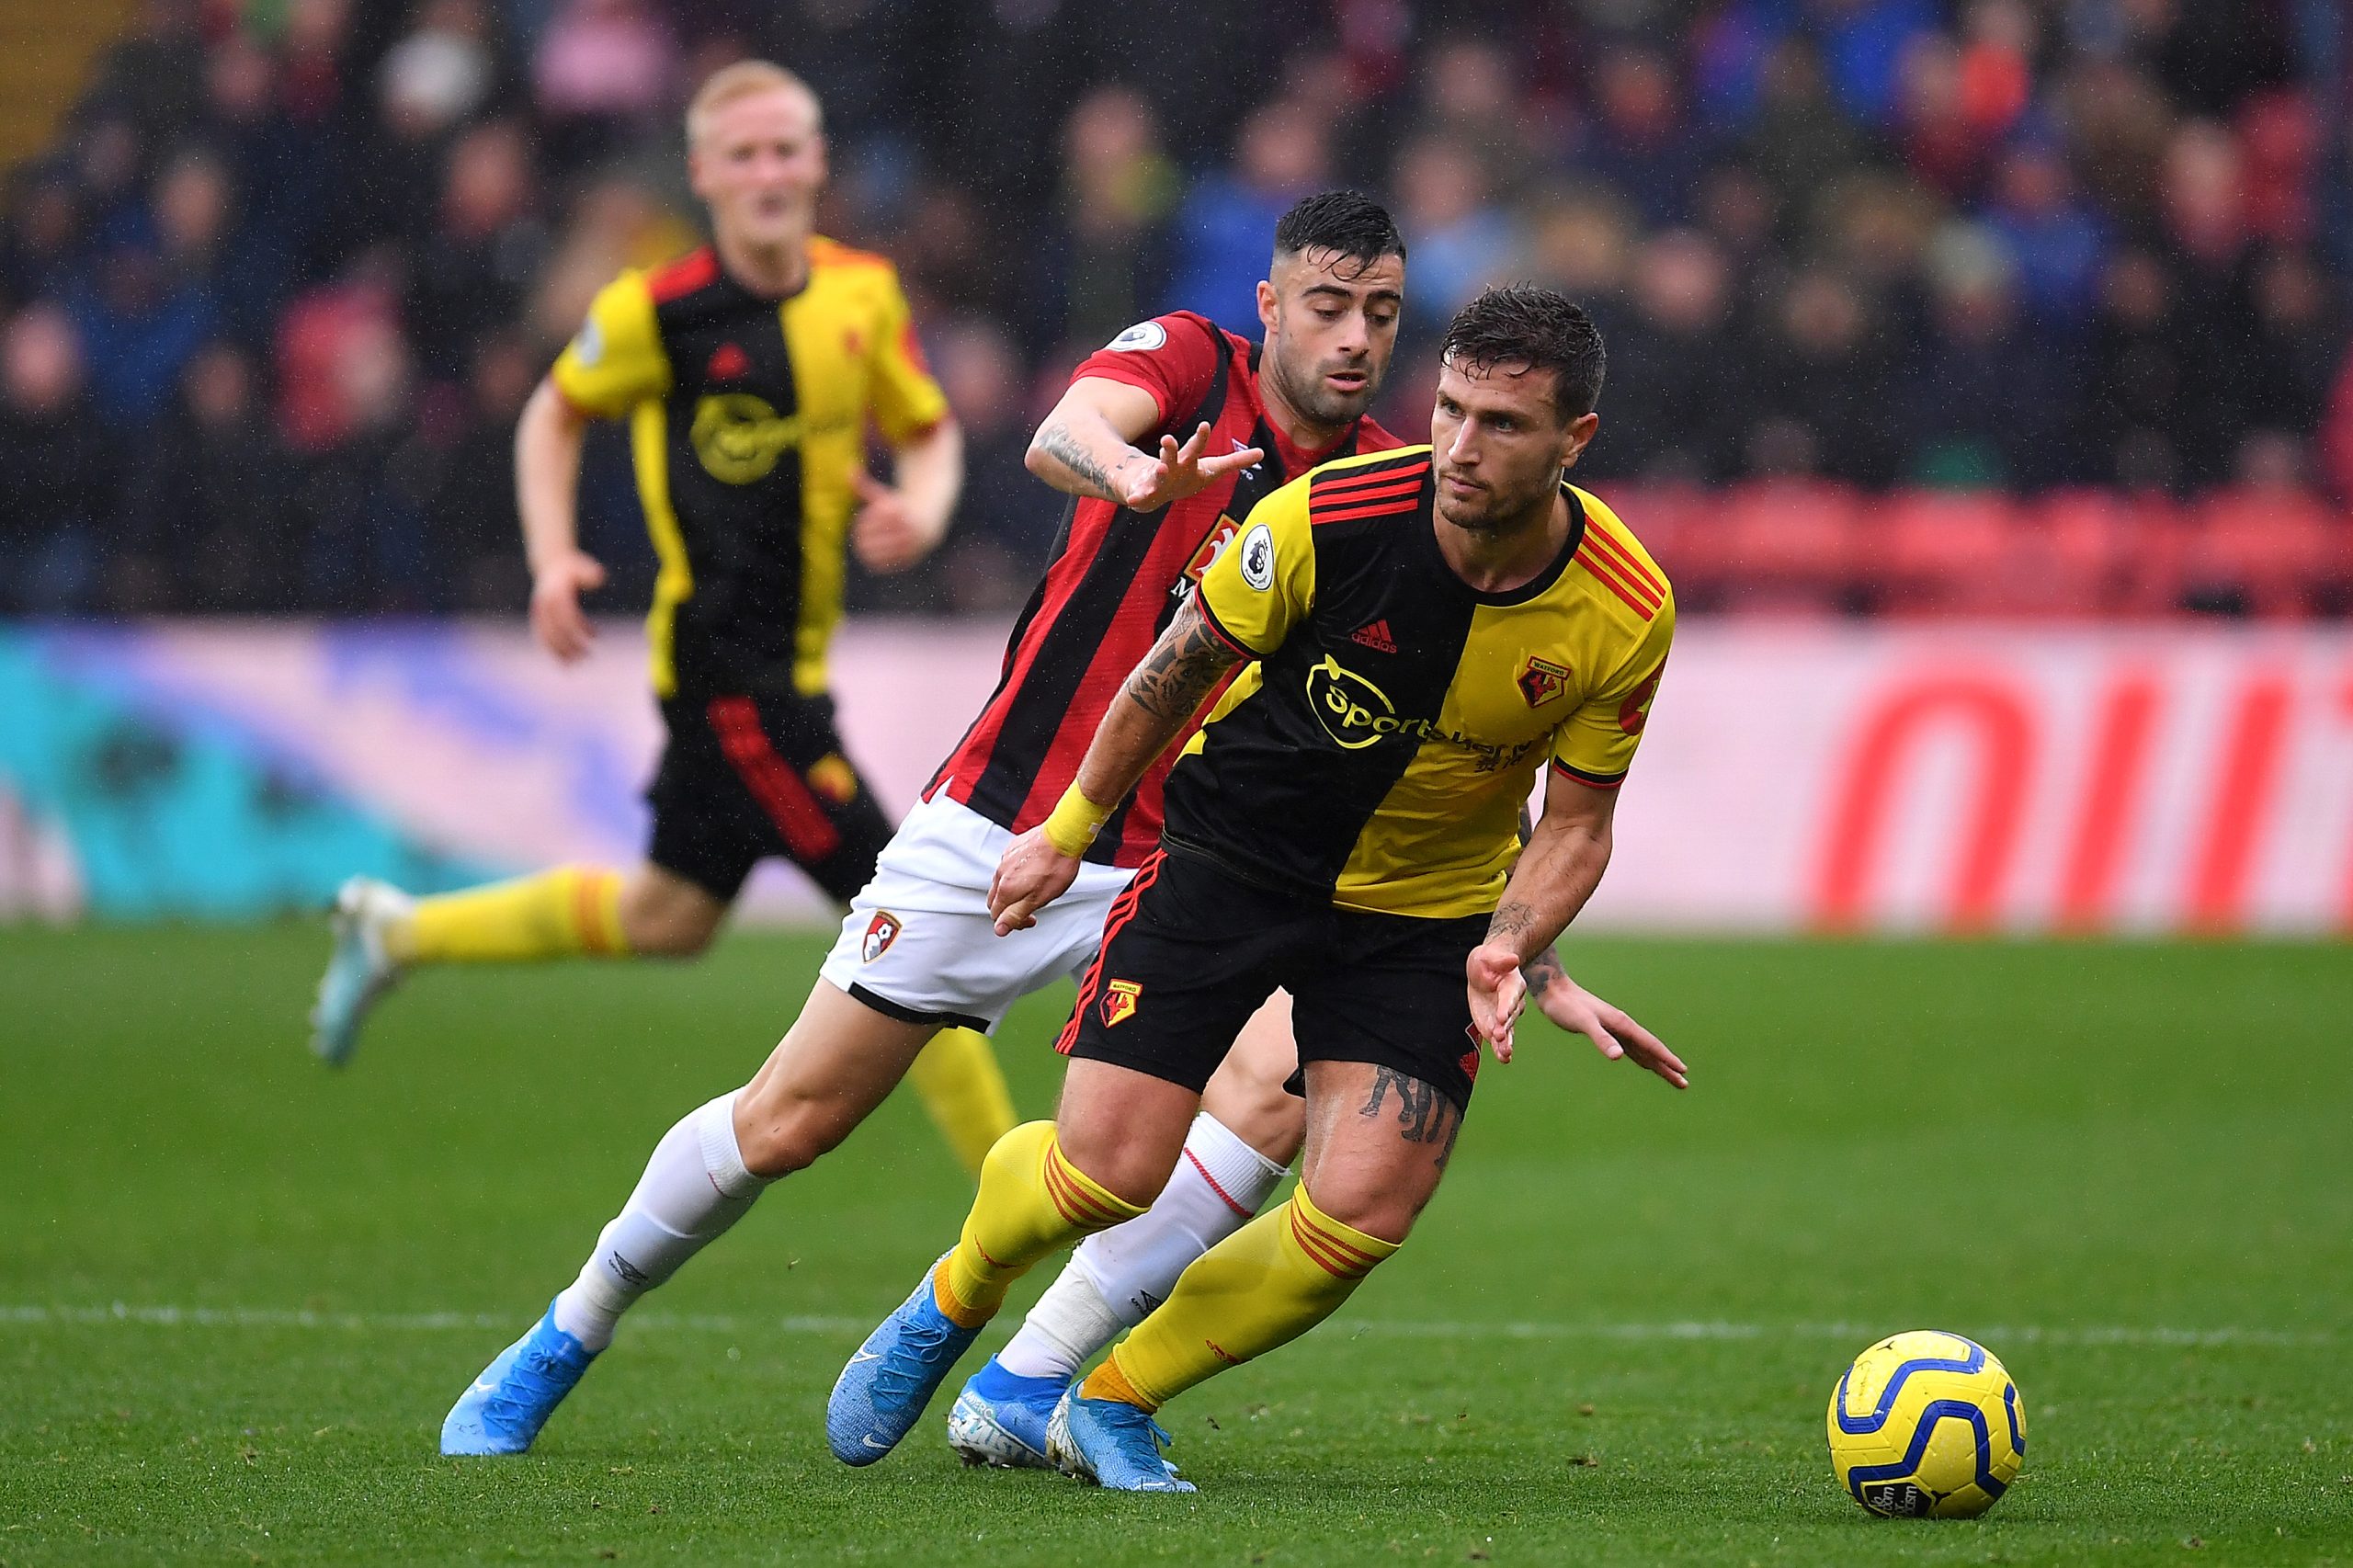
(1541, 680)
(1120, 1001)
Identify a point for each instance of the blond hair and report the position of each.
(741, 80)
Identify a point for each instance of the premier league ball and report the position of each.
(1927, 1425)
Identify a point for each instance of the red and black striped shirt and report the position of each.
(1116, 580)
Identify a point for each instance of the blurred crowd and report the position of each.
(271, 301)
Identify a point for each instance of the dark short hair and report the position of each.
(1342, 221)
(1520, 324)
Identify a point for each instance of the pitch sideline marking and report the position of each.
(34, 1314)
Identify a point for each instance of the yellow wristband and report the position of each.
(1075, 821)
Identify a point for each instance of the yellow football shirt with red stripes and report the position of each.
(747, 422)
(1377, 751)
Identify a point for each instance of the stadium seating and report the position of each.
(2085, 554)
(2275, 553)
(1946, 553)
(1788, 386)
(1788, 547)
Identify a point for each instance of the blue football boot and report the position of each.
(1000, 1418)
(358, 970)
(1112, 1444)
(505, 1409)
(882, 1391)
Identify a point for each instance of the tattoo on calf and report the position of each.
(1422, 1115)
(1183, 667)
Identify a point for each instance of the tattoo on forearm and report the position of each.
(1513, 919)
(1063, 446)
(1422, 1115)
(1183, 667)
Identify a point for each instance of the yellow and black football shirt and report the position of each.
(1378, 751)
(748, 419)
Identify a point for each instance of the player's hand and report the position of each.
(1498, 993)
(1613, 1032)
(1147, 484)
(1032, 874)
(562, 627)
(886, 533)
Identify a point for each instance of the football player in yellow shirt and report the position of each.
(1424, 629)
(749, 372)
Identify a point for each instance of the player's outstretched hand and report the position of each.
(1613, 1031)
(1179, 472)
(1032, 874)
(885, 533)
(562, 627)
(1498, 993)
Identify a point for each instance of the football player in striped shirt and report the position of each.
(1400, 641)
(749, 371)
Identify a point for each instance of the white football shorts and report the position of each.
(918, 944)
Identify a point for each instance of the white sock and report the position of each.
(1118, 1276)
(693, 1189)
(1071, 1322)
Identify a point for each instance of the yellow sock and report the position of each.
(573, 909)
(960, 1085)
(1107, 1381)
(1032, 1201)
(1263, 1286)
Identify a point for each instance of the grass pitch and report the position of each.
(237, 1291)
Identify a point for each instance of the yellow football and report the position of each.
(1927, 1425)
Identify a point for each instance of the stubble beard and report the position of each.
(1492, 520)
(1316, 402)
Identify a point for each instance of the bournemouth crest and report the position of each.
(1541, 680)
(880, 932)
(1211, 548)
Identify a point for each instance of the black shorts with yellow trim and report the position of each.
(1191, 950)
(744, 778)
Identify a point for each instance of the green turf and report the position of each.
(2127, 1169)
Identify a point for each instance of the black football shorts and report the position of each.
(743, 779)
(1191, 950)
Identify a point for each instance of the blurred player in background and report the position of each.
(1402, 640)
(749, 371)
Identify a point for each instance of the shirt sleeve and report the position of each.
(1174, 358)
(906, 400)
(1263, 583)
(1594, 746)
(616, 361)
